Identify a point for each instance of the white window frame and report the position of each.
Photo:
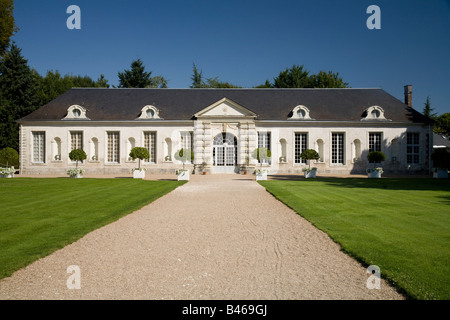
(264, 141)
(300, 146)
(113, 147)
(187, 142)
(150, 139)
(340, 151)
(38, 147)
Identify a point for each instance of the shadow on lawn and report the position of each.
(383, 183)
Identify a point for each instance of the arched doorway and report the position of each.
(225, 153)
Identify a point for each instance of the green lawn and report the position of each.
(400, 225)
(39, 216)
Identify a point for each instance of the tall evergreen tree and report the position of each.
(18, 85)
(137, 77)
(102, 82)
(428, 110)
(7, 24)
(197, 78)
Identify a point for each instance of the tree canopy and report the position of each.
(7, 24)
(198, 82)
(298, 77)
(137, 77)
(18, 86)
(442, 125)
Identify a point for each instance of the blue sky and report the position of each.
(247, 42)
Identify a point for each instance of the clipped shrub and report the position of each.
(184, 155)
(309, 154)
(77, 155)
(9, 157)
(376, 156)
(140, 153)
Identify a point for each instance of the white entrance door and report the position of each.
(225, 153)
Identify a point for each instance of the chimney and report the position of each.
(408, 95)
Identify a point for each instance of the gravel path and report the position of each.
(216, 237)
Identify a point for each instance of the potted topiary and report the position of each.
(141, 154)
(261, 154)
(310, 154)
(10, 158)
(441, 163)
(184, 155)
(76, 155)
(375, 157)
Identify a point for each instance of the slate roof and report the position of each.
(269, 104)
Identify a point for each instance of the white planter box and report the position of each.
(261, 175)
(374, 174)
(310, 174)
(139, 174)
(9, 175)
(440, 173)
(183, 175)
(77, 176)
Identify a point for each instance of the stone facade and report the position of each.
(223, 137)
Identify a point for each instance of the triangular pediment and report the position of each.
(225, 108)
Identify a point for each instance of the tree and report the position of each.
(139, 153)
(54, 84)
(18, 98)
(442, 125)
(7, 24)
(427, 109)
(298, 77)
(327, 80)
(265, 85)
(184, 155)
(376, 156)
(137, 77)
(9, 157)
(295, 77)
(309, 154)
(77, 155)
(197, 78)
(102, 82)
(197, 81)
(441, 158)
(262, 154)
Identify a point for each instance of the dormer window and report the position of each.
(300, 113)
(149, 112)
(374, 113)
(76, 112)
